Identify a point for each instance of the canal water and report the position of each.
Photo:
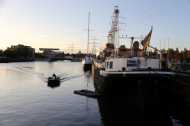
(26, 99)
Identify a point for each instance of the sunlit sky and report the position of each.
(63, 23)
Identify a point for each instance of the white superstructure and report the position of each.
(131, 64)
(115, 63)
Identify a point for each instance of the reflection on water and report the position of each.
(27, 101)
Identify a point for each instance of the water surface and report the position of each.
(26, 100)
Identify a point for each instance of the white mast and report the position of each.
(113, 35)
(88, 40)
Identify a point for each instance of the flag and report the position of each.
(146, 41)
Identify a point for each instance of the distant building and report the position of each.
(52, 54)
(49, 52)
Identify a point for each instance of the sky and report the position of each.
(63, 23)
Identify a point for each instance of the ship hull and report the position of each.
(104, 83)
(142, 98)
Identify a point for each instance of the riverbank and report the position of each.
(9, 60)
(12, 60)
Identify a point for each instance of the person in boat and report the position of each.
(54, 76)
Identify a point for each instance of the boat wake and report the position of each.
(44, 77)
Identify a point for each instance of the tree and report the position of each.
(19, 51)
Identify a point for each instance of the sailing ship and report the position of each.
(87, 61)
(120, 63)
(131, 78)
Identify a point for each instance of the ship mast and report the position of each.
(88, 39)
(113, 35)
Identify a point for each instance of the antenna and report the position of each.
(132, 39)
(168, 43)
(72, 48)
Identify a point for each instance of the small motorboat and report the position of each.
(54, 81)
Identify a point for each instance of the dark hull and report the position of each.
(146, 100)
(87, 67)
(53, 83)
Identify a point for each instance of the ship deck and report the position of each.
(130, 73)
